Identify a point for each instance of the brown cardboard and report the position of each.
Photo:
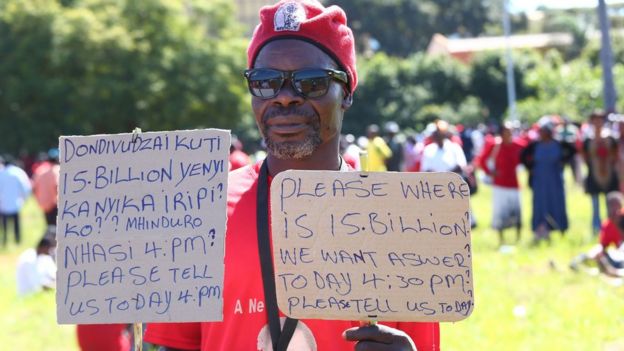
(141, 227)
(372, 246)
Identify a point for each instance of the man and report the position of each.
(395, 162)
(238, 158)
(36, 269)
(45, 185)
(443, 155)
(302, 81)
(600, 154)
(611, 238)
(14, 190)
(446, 155)
(377, 150)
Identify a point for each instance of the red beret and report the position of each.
(325, 27)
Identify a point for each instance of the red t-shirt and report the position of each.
(506, 159)
(609, 234)
(103, 337)
(244, 325)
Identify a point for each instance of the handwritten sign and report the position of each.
(141, 227)
(375, 246)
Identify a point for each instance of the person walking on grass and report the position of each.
(499, 160)
(544, 159)
(14, 190)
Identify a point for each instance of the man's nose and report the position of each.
(288, 95)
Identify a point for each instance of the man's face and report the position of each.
(597, 122)
(506, 135)
(439, 136)
(545, 133)
(294, 127)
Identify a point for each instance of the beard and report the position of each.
(297, 150)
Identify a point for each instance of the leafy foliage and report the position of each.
(489, 81)
(397, 89)
(105, 66)
(419, 89)
(562, 22)
(573, 89)
(403, 27)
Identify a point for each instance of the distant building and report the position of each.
(464, 49)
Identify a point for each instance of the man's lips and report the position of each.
(284, 125)
(287, 129)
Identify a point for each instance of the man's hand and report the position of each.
(379, 337)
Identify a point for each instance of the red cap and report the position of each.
(308, 20)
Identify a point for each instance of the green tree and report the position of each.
(489, 82)
(377, 95)
(105, 66)
(567, 23)
(403, 27)
(27, 97)
(396, 89)
(572, 89)
(591, 51)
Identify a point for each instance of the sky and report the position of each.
(528, 5)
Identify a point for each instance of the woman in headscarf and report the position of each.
(545, 159)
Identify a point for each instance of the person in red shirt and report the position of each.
(302, 78)
(611, 235)
(499, 160)
(45, 187)
(238, 158)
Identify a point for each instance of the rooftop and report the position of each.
(442, 44)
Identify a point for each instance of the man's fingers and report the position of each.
(377, 333)
(373, 346)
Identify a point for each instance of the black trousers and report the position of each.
(51, 216)
(6, 218)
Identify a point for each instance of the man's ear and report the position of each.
(347, 101)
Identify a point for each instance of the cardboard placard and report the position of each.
(141, 227)
(372, 246)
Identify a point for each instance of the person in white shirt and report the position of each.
(442, 155)
(15, 188)
(36, 269)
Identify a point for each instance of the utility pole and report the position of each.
(511, 82)
(606, 58)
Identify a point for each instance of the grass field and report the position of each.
(525, 299)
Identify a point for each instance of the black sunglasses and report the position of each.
(266, 83)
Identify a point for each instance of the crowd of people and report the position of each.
(543, 149)
(36, 267)
(593, 150)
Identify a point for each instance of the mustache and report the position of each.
(286, 111)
